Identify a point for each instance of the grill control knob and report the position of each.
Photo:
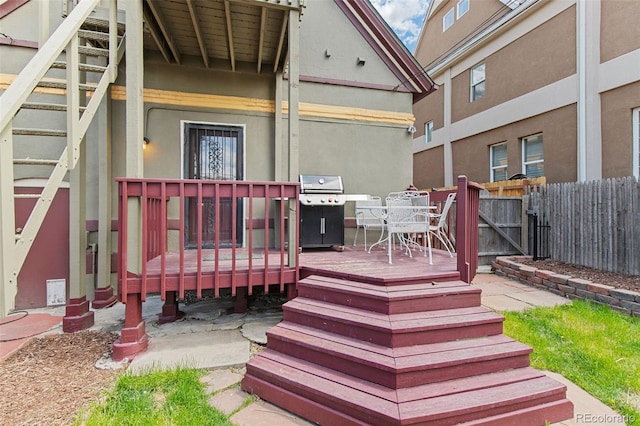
(330, 200)
(322, 200)
(309, 200)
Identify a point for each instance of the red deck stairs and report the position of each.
(352, 353)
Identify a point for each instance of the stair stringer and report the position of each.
(14, 247)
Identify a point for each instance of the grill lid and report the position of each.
(321, 184)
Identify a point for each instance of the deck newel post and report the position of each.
(170, 310)
(462, 231)
(133, 337)
(240, 304)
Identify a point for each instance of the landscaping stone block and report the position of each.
(549, 284)
(544, 274)
(528, 271)
(536, 280)
(585, 294)
(633, 306)
(559, 278)
(509, 271)
(611, 301)
(624, 294)
(599, 288)
(566, 289)
(578, 283)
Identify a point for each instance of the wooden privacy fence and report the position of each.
(594, 224)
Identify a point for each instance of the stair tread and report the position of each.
(39, 132)
(409, 291)
(81, 66)
(48, 106)
(398, 322)
(410, 358)
(520, 388)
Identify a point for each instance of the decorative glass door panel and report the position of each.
(213, 152)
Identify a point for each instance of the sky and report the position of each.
(405, 17)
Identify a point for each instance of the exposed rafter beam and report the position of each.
(275, 4)
(156, 37)
(165, 30)
(283, 32)
(232, 56)
(263, 25)
(196, 28)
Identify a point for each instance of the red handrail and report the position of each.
(160, 216)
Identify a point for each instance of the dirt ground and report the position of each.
(626, 282)
(47, 381)
(51, 378)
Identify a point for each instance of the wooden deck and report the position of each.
(356, 264)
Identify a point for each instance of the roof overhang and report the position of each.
(411, 76)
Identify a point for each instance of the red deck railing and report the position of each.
(467, 207)
(206, 234)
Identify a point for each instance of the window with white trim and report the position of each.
(636, 143)
(462, 7)
(428, 131)
(498, 162)
(447, 20)
(477, 82)
(533, 156)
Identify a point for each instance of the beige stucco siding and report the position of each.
(370, 159)
(428, 109)
(617, 105)
(620, 32)
(332, 46)
(437, 41)
(525, 65)
(428, 168)
(471, 155)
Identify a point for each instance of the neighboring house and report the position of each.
(533, 87)
(196, 77)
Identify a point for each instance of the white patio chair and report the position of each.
(438, 230)
(404, 219)
(369, 218)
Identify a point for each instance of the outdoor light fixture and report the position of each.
(145, 142)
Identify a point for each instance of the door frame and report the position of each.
(243, 144)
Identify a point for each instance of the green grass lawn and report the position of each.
(595, 347)
(173, 397)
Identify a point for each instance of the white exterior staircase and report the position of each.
(69, 75)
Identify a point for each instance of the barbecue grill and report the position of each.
(322, 202)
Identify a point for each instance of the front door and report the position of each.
(213, 152)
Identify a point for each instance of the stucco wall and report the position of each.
(430, 108)
(616, 107)
(428, 168)
(522, 66)
(619, 29)
(436, 41)
(471, 155)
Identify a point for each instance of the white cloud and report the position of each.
(404, 17)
